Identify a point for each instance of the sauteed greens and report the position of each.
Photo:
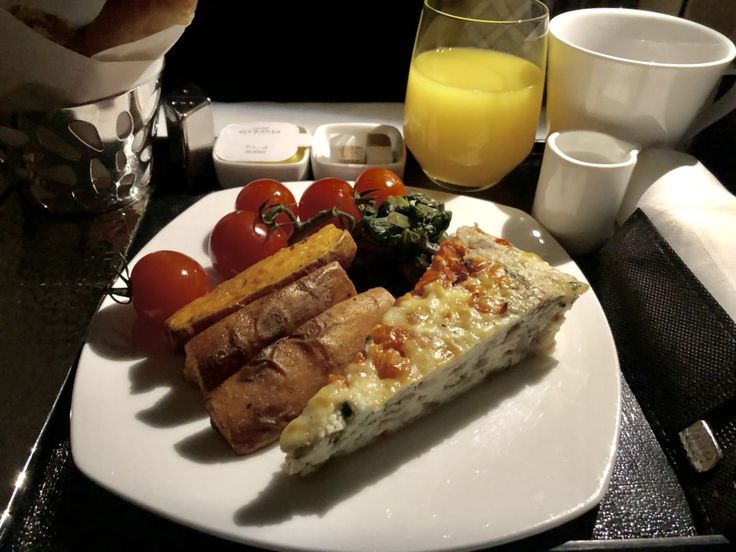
(397, 239)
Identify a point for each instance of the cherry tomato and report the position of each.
(164, 281)
(327, 193)
(271, 192)
(240, 239)
(378, 184)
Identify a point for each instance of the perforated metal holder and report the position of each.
(90, 158)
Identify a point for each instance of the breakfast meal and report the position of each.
(302, 344)
(252, 407)
(283, 267)
(482, 306)
(219, 351)
(118, 22)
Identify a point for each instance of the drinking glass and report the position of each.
(474, 91)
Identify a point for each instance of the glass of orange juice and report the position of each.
(474, 91)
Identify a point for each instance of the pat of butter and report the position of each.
(262, 143)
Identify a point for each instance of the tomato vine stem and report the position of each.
(268, 214)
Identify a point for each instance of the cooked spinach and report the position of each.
(396, 240)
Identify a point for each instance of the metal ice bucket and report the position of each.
(90, 158)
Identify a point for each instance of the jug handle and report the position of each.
(715, 111)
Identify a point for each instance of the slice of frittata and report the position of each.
(482, 306)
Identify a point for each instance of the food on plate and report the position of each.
(240, 239)
(164, 281)
(219, 351)
(252, 406)
(266, 192)
(118, 22)
(325, 194)
(378, 184)
(394, 229)
(400, 236)
(283, 267)
(483, 305)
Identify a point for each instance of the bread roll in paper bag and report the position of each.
(109, 48)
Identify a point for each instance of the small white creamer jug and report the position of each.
(581, 185)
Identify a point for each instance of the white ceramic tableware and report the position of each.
(245, 151)
(330, 139)
(529, 449)
(634, 74)
(581, 185)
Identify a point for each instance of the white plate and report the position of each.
(526, 451)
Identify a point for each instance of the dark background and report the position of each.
(306, 51)
(297, 51)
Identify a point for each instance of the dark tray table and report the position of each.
(54, 272)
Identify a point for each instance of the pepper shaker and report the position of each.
(191, 131)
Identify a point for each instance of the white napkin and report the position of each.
(693, 212)
(37, 74)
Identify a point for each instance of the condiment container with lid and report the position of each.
(344, 150)
(246, 151)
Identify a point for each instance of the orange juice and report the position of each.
(471, 114)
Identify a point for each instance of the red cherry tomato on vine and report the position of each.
(271, 192)
(240, 239)
(378, 184)
(327, 193)
(162, 282)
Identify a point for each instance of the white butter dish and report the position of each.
(246, 151)
(344, 150)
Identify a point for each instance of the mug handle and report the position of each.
(714, 112)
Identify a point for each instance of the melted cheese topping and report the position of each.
(457, 303)
(483, 305)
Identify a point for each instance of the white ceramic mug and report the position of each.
(638, 75)
(581, 185)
